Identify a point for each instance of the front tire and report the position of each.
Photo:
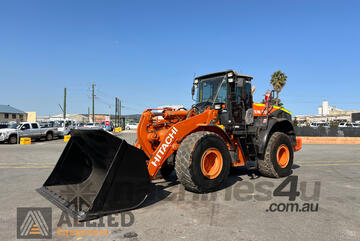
(13, 139)
(202, 162)
(278, 158)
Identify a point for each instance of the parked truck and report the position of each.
(65, 126)
(27, 129)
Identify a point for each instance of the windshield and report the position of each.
(58, 124)
(44, 124)
(50, 124)
(12, 126)
(208, 88)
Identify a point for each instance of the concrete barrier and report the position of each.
(25, 141)
(329, 140)
(67, 138)
(118, 129)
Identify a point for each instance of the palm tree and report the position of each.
(278, 81)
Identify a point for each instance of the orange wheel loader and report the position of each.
(223, 129)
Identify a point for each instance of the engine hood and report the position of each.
(5, 130)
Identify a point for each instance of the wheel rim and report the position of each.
(211, 163)
(283, 156)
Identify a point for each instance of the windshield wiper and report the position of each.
(217, 92)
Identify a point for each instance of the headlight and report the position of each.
(230, 80)
(196, 81)
(230, 74)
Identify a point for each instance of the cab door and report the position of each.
(242, 100)
(25, 130)
(35, 130)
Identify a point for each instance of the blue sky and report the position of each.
(146, 52)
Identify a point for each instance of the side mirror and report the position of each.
(273, 94)
(193, 91)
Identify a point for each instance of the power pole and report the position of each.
(64, 103)
(119, 111)
(93, 104)
(116, 112)
(88, 114)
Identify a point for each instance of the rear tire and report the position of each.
(278, 158)
(202, 162)
(49, 136)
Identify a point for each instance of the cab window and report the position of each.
(238, 94)
(221, 97)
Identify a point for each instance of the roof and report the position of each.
(10, 110)
(69, 115)
(223, 73)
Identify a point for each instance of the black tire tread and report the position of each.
(265, 166)
(184, 157)
(49, 136)
(12, 137)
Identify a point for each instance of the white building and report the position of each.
(325, 109)
(327, 113)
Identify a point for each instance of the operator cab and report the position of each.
(228, 91)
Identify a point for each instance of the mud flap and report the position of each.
(97, 174)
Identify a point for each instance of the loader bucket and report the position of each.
(97, 174)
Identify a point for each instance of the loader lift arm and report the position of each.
(168, 139)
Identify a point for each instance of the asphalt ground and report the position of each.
(245, 209)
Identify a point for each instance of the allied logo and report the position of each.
(34, 223)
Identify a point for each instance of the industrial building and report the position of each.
(9, 114)
(327, 113)
(76, 117)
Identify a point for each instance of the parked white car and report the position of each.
(342, 124)
(65, 126)
(319, 124)
(131, 126)
(355, 125)
(348, 124)
(92, 126)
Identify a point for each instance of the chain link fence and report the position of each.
(328, 131)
